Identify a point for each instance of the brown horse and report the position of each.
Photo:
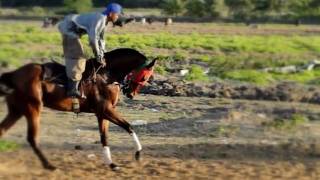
(33, 86)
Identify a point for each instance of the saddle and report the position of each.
(55, 72)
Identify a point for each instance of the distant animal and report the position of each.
(252, 25)
(150, 20)
(168, 21)
(50, 21)
(143, 20)
(123, 21)
(298, 22)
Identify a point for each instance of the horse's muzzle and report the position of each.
(130, 96)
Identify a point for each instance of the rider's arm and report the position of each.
(96, 37)
(102, 42)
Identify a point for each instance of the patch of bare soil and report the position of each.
(224, 29)
(182, 138)
(285, 91)
(76, 165)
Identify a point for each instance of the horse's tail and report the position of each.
(6, 85)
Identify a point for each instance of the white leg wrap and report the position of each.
(107, 155)
(136, 142)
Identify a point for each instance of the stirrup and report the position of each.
(75, 105)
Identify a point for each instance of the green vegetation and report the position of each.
(251, 76)
(287, 124)
(8, 146)
(172, 7)
(264, 78)
(235, 57)
(224, 130)
(231, 9)
(245, 9)
(196, 73)
(78, 6)
(241, 50)
(195, 8)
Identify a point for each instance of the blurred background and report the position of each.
(218, 39)
(235, 92)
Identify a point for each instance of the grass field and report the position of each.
(233, 51)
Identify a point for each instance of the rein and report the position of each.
(132, 78)
(93, 77)
(127, 80)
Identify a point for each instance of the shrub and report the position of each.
(196, 74)
(39, 11)
(251, 76)
(172, 7)
(195, 8)
(217, 8)
(287, 124)
(78, 6)
(160, 70)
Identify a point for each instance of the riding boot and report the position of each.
(72, 90)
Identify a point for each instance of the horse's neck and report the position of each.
(120, 74)
(116, 70)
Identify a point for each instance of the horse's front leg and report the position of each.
(104, 131)
(111, 115)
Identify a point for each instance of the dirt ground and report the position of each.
(220, 28)
(182, 137)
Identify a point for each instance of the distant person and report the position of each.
(72, 28)
(149, 20)
(50, 21)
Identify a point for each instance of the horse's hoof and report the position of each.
(114, 167)
(50, 167)
(137, 155)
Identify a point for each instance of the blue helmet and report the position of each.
(112, 8)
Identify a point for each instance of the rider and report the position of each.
(72, 28)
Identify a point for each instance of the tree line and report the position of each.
(96, 3)
(243, 9)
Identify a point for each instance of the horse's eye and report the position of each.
(143, 79)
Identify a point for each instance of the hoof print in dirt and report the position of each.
(137, 155)
(114, 167)
(78, 147)
(50, 167)
(285, 91)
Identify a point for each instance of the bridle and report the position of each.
(135, 77)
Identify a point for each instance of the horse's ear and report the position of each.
(150, 66)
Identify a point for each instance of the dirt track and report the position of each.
(185, 138)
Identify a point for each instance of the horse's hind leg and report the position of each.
(33, 121)
(8, 122)
(14, 114)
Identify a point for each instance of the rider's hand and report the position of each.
(101, 60)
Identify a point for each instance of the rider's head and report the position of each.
(112, 12)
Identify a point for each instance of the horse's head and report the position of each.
(137, 79)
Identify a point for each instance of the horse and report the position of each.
(123, 21)
(31, 87)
